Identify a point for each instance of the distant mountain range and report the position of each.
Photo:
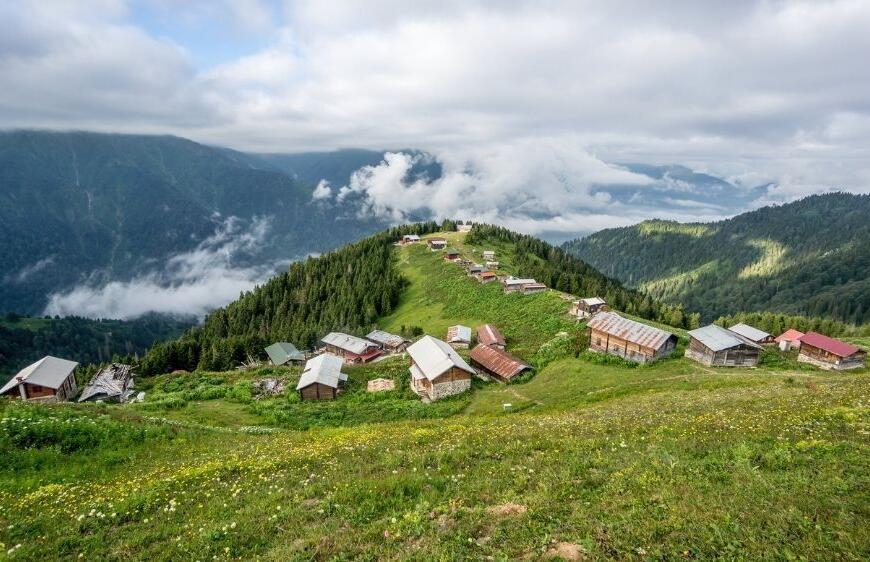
(810, 257)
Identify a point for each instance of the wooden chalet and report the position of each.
(410, 239)
(282, 352)
(491, 264)
(321, 378)
(829, 353)
(516, 284)
(623, 337)
(752, 333)
(437, 370)
(790, 339)
(113, 383)
(459, 336)
(351, 348)
(389, 342)
(49, 379)
(486, 276)
(474, 268)
(436, 243)
(451, 255)
(588, 307)
(488, 334)
(716, 346)
(497, 362)
(532, 288)
(489, 255)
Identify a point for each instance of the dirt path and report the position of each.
(521, 396)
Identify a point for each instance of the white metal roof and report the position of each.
(592, 301)
(385, 338)
(459, 333)
(413, 237)
(432, 357)
(629, 330)
(519, 281)
(49, 372)
(718, 338)
(324, 369)
(111, 381)
(347, 342)
(750, 332)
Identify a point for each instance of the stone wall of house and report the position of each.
(449, 388)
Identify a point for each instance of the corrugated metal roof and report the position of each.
(347, 342)
(385, 338)
(837, 347)
(324, 369)
(789, 335)
(750, 332)
(593, 301)
(111, 380)
(718, 338)
(498, 361)
(512, 281)
(489, 335)
(459, 334)
(49, 372)
(282, 351)
(629, 330)
(432, 357)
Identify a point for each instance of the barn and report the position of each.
(321, 378)
(623, 337)
(388, 342)
(49, 378)
(588, 307)
(497, 362)
(716, 346)
(488, 334)
(284, 352)
(351, 348)
(113, 383)
(459, 336)
(829, 353)
(437, 370)
(752, 333)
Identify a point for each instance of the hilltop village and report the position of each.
(444, 364)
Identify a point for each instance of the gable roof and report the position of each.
(458, 333)
(511, 281)
(413, 237)
(629, 330)
(489, 335)
(592, 301)
(283, 351)
(789, 335)
(49, 372)
(837, 347)
(498, 361)
(750, 332)
(385, 338)
(111, 380)
(432, 357)
(718, 338)
(347, 342)
(324, 369)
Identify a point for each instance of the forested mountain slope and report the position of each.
(810, 257)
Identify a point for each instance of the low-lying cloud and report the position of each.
(190, 283)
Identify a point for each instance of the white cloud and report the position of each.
(322, 191)
(190, 283)
(27, 272)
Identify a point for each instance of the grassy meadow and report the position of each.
(596, 459)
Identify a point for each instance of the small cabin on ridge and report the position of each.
(437, 370)
(283, 352)
(588, 307)
(351, 348)
(489, 255)
(486, 277)
(437, 243)
(829, 353)
(716, 346)
(614, 334)
(321, 378)
(451, 255)
(389, 342)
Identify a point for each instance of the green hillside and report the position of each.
(594, 459)
(811, 258)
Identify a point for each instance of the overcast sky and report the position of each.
(754, 92)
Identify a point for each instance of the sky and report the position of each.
(533, 102)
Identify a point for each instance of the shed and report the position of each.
(321, 378)
(437, 243)
(532, 288)
(283, 352)
(790, 339)
(351, 348)
(497, 362)
(614, 334)
(474, 268)
(485, 276)
(437, 370)
(752, 333)
(516, 284)
(716, 346)
(387, 341)
(459, 336)
(410, 238)
(49, 378)
(588, 307)
(451, 255)
(489, 254)
(488, 334)
(113, 383)
(829, 353)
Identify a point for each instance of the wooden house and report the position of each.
(437, 243)
(623, 337)
(390, 343)
(516, 284)
(486, 276)
(321, 378)
(451, 255)
(829, 353)
(491, 264)
(790, 339)
(410, 239)
(532, 288)
(474, 268)
(282, 352)
(752, 333)
(489, 335)
(459, 336)
(497, 362)
(113, 383)
(351, 348)
(588, 307)
(716, 346)
(489, 255)
(49, 379)
(437, 370)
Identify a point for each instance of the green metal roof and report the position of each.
(283, 352)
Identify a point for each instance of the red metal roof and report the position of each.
(789, 335)
(837, 347)
(498, 362)
(489, 335)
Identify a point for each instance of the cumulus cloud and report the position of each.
(190, 283)
(322, 191)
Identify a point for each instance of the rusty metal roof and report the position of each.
(629, 330)
(489, 335)
(497, 361)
